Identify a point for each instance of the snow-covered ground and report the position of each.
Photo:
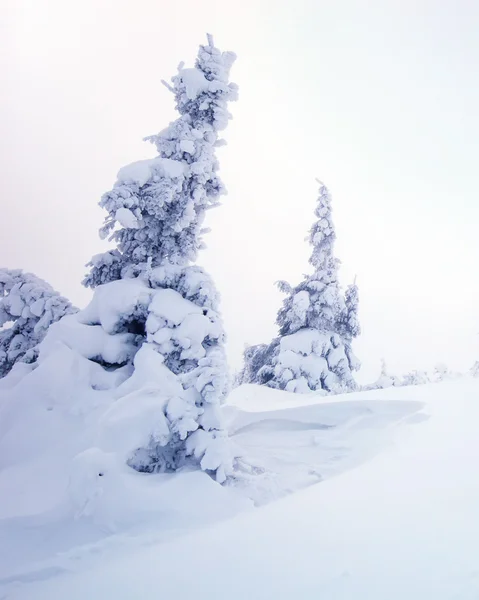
(367, 496)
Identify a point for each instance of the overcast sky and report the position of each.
(379, 99)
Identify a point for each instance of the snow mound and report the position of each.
(113, 303)
(101, 399)
(412, 505)
(141, 171)
(67, 488)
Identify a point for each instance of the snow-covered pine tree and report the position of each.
(28, 306)
(316, 323)
(148, 292)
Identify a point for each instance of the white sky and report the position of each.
(377, 98)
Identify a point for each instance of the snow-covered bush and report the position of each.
(385, 379)
(257, 364)
(442, 372)
(28, 306)
(415, 378)
(316, 324)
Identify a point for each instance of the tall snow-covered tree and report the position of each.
(316, 323)
(148, 288)
(158, 205)
(28, 306)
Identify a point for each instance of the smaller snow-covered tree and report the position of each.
(475, 369)
(316, 323)
(316, 302)
(28, 306)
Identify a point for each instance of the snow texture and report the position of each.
(360, 471)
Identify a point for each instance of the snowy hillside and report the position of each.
(367, 496)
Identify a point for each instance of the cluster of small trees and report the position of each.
(154, 318)
(441, 372)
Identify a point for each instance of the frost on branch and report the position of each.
(28, 306)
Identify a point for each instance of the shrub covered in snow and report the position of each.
(316, 324)
(442, 372)
(257, 364)
(28, 306)
(385, 379)
(415, 377)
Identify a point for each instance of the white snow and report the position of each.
(169, 305)
(88, 341)
(378, 500)
(126, 218)
(187, 146)
(111, 302)
(141, 171)
(195, 82)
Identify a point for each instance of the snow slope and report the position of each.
(394, 517)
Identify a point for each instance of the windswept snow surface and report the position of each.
(394, 514)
